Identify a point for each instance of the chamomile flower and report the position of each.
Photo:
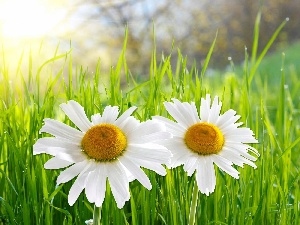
(200, 141)
(107, 147)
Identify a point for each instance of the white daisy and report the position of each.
(105, 147)
(199, 142)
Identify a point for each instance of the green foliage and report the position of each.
(268, 195)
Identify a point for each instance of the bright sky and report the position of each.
(28, 18)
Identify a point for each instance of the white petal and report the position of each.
(177, 114)
(54, 146)
(232, 120)
(149, 131)
(243, 148)
(227, 119)
(225, 165)
(189, 112)
(56, 142)
(77, 188)
(96, 185)
(128, 125)
(148, 127)
(96, 119)
(91, 184)
(240, 149)
(179, 151)
(190, 165)
(154, 137)
(205, 175)
(243, 131)
(240, 138)
(130, 177)
(236, 158)
(232, 156)
(136, 171)
(110, 114)
(156, 167)
(74, 157)
(124, 116)
(214, 111)
(77, 115)
(174, 128)
(135, 138)
(61, 130)
(119, 183)
(232, 127)
(193, 112)
(244, 135)
(71, 172)
(150, 152)
(101, 187)
(205, 108)
(39, 149)
(56, 163)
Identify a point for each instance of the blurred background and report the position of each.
(95, 29)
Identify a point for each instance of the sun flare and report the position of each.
(31, 18)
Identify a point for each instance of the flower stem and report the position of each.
(97, 215)
(193, 204)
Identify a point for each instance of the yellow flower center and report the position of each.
(204, 138)
(103, 142)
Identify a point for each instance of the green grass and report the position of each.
(269, 194)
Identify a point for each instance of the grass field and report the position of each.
(265, 97)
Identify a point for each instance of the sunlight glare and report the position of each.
(31, 18)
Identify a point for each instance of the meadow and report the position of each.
(264, 91)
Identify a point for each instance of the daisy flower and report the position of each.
(107, 147)
(199, 142)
